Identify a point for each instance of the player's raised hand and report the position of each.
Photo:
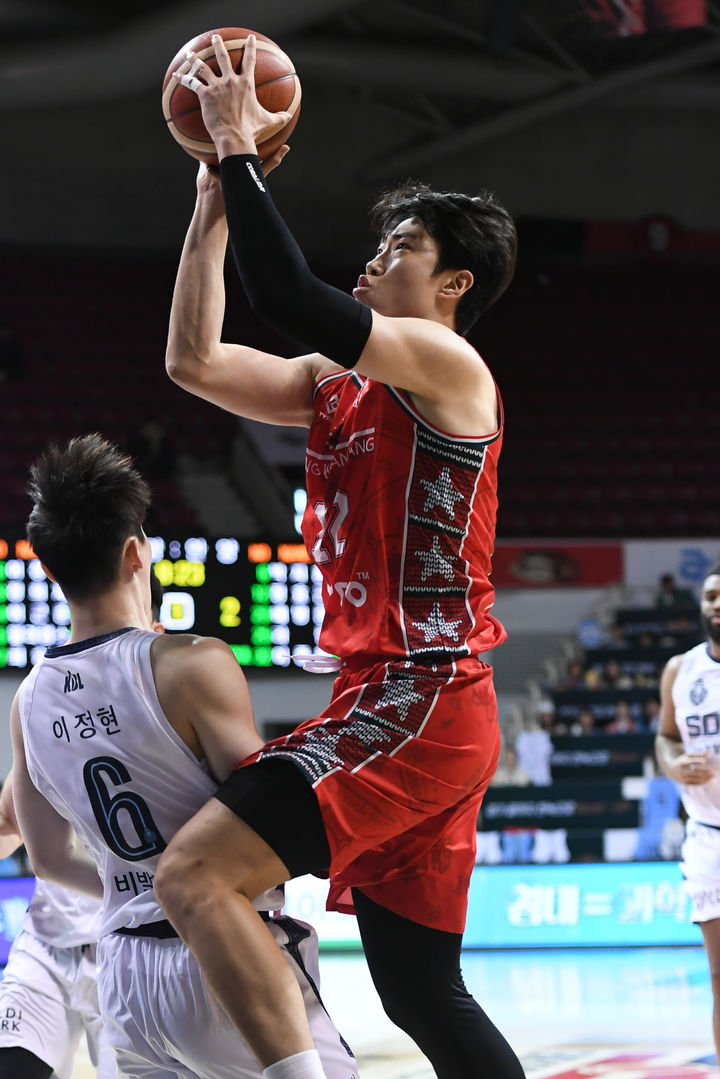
(232, 114)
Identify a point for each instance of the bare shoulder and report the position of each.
(673, 666)
(461, 396)
(188, 653)
(189, 668)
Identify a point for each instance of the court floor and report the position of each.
(639, 1013)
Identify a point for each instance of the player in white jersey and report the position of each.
(688, 750)
(125, 734)
(48, 994)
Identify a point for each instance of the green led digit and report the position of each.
(262, 573)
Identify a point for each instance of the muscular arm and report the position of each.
(203, 692)
(449, 381)
(241, 379)
(690, 769)
(55, 852)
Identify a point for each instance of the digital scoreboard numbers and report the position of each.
(264, 600)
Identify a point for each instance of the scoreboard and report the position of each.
(263, 599)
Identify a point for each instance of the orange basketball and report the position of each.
(278, 90)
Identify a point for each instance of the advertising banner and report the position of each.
(554, 564)
(542, 906)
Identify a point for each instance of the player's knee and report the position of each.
(399, 1001)
(190, 886)
(181, 885)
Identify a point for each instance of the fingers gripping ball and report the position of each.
(277, 87)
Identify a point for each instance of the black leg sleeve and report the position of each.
(280, 287)
(416, 971)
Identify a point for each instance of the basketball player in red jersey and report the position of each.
(381, 792)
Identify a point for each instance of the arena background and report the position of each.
(600, 135)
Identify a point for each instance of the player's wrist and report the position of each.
(229, 143)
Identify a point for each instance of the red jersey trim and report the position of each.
(418, 417)
(357, 379)
(406, 404)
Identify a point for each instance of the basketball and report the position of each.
(277, 86)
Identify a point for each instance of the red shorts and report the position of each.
(400, 760)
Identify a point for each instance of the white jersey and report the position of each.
(100, 749)
(62, 918)
(696, 697)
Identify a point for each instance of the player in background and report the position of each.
(122, 734)
(382, 790)
(48, 993)
(687, 747)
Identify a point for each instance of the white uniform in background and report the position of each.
(48, 993)
(100, 749)
(696, 698)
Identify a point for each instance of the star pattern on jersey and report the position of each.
(400, 695)
(442, 492)
(434, 561)
(370, 734)
(324, 746)
(438, 626)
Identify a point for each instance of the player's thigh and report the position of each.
(215, 848)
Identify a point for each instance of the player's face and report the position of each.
(710, 607)
(401, 279)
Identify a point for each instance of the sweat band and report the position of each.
(281, 288)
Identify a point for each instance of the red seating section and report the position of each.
(608, 374)
(612, 401)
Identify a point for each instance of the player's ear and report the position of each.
(458, 283)
(132, 555)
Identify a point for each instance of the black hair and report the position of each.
(472, 233)
(88, 499)
(156, 596)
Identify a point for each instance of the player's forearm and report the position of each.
(71, 867)
(667, 750)
(198, 305)
(9, 841)
(281, 288)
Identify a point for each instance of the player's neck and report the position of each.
(714, 649)
(104, 614)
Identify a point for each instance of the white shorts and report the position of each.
(48, 997)
(700, 866)
(163, 1021)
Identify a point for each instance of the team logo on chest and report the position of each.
(698, 692)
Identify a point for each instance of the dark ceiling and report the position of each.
(528, 98)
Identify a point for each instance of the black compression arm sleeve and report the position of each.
(281, 288)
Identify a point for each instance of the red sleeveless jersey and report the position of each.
(400, 520)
